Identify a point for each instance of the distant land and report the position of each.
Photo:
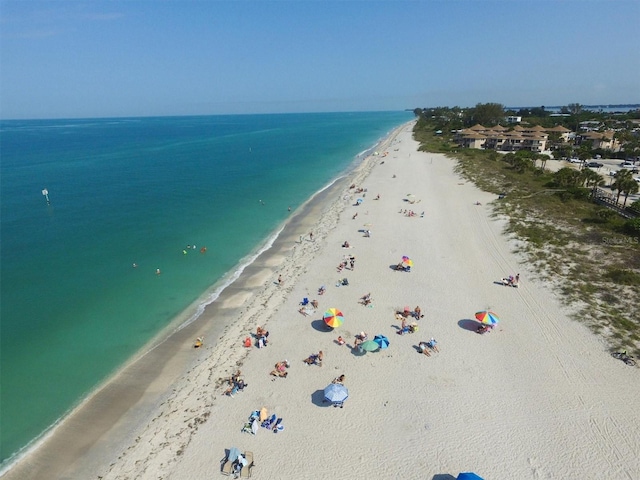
(610, 107)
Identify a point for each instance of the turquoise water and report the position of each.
(137, 190)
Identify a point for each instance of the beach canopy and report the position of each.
(336, 392)
(469, 476)
(381, 340)
(333, 317)
(369, 346)
(407, 261)
(487, 317)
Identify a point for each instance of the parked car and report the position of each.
(637, 179)
(575, 160)
(595, 164)
(627, 165)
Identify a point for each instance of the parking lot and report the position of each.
(609, 169)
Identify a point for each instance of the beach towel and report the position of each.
(277, 427)
(269, 422)
(263, 414)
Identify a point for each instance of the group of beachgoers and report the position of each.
(407, 317)
(235, 384)
(410, 213)
(512, 281)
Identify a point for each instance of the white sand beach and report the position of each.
(539, 397)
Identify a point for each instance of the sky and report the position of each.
(70, 59)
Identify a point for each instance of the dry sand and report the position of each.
(538, 398)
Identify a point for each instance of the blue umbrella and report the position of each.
(469, 476)
(336, 392)
(381, 340)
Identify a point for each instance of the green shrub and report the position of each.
(632, 227)
(622, 276)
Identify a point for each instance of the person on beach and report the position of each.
(321, 290)
(279, 279)
(417, 313)
(314, 303)
(354, 216)
(424, 348)
(339, 380)
(366, 299)
(280, 369)
(345, 244)
(314, 359)
(199, 342)
(340, 340)
(433, 345)
(311, 236)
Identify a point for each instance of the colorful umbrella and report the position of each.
(487, 317)
(369, 346)
(336, 392)
(407, 261)
(333, 317)
(381, 340)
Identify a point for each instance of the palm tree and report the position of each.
(629, 187)
(591, 178)
(622, 177)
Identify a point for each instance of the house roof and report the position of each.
(474, 135)
(478, 127)
(558, 128)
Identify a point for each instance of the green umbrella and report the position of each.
(369, 346)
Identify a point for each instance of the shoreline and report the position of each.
(135, 389)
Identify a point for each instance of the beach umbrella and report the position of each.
(487, 317)
(336, 392)
(469, 476)
(333, 317)
(407, 261)
(381, 340)
(369, 346)
(360, 200)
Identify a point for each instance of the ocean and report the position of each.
(127, 196)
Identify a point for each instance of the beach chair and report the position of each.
(304, 302)
(246, 469)
(227, 461)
